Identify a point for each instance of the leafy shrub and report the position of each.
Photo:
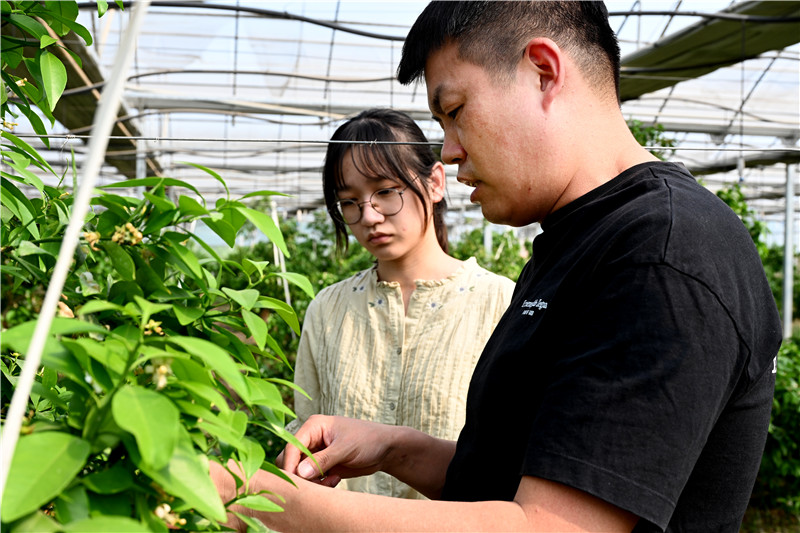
(507, 257)
(151, 366)
(778, 483)
(150, 370)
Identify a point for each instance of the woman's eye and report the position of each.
(346, 203)
(385, 192)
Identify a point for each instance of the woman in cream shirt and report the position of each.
(396, 343)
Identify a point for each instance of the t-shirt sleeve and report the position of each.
(631, 400)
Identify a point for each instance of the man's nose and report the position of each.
(452, 151)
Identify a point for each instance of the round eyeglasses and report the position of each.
(387, 202)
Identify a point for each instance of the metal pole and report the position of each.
(788, 254)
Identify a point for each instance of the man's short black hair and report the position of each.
(493, 34)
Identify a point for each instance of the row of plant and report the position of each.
(151, 367)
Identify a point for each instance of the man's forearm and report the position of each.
(419, 460)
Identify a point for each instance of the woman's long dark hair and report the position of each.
(403, 163)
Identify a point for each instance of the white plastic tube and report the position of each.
(106, 114)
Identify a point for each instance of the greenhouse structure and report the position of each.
(195, 132)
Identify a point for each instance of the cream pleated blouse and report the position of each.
(360, 356)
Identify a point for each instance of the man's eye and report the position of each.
(452, 114)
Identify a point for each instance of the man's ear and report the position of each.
(546, 58)
(437, 181)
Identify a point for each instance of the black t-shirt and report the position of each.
(635, 361)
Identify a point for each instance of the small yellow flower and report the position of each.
(153, 327)
(164, 512)
(92, 238)
(64, 311)
(127, 234)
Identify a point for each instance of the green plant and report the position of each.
(778, 483)
(311, 244)
(150, 370)
(652, 136)
(151, 366)
(506, 258)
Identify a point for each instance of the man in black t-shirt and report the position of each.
(629, 384)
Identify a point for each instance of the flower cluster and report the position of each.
(153, 327)
(92, 238)
(127, 234)
(164, 512)
(160, 370)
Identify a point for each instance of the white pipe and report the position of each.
(106, 114)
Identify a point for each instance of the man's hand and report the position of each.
(343, 448)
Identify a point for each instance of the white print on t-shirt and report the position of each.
(529, 308)
(775, 365)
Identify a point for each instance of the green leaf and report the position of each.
(267, 394)
(283, 309)
(217, 359)
(223, 229)
(46, 41)
(289, 384)
(267, 226)
(72, 504)
(253, 524)
(247, 298)
(97, 306)
(25, 175)
(18, 337)
(187, 477)
(149, 309)
(28, 149)
(254, 266)
(160, 202)
(257, 326)
(110, 353)
(72, 25)
(104, 524)
(187, 258)
(297, 279)
(102, 7)
(187, 315)
(54, 76)
(206, 393)
(150, 182)
(264, 193)
(259, 503)
(110, 481)
(37, 522)
(190, 207)
(121, 260)
(152, 419)
(28, 248)
(252, 455)
(210, 173)
(22, 207)
(28, 24)
(44, 464)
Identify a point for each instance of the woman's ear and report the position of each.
(546, 59)
(437, 181)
